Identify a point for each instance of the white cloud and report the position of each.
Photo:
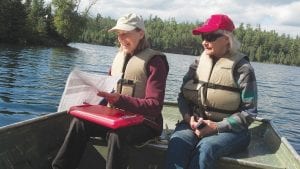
(279, 15)
(288, 14)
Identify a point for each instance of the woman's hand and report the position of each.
(110, 97)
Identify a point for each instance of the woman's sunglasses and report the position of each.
(211, 37)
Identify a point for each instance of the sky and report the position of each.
(283, 16)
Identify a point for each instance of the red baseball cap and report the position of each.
(214, 23)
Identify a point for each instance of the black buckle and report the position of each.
(211, 85)
(126, 81)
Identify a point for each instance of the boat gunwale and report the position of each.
(283, 141)
(29, 121)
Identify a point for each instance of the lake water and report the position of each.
(32, 81)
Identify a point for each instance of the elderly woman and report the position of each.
(142, 89)
(218, 101)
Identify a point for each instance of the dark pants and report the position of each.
(70, 153)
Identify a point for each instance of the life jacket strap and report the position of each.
(207, 108)
(217, 86)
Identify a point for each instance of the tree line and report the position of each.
(31, 22)
(171, 36)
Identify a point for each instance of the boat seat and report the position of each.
(257, 155)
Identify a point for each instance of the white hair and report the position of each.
(234, 43)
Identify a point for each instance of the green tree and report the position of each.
(12, 21)
(67, 21)
(36, 22)
(258, 54)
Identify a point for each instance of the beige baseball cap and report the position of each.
(129, 22)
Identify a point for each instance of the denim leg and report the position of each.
(211, 148)
(180, 147)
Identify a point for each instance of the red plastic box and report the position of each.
(105, 116)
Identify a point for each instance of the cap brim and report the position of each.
(204, 29)
(122, 27)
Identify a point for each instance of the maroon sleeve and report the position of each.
(155, 90)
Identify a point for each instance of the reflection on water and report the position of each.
(32, 81)
(279, 98)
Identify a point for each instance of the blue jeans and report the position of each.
(186, 151)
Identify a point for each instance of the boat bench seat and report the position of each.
(257, 155)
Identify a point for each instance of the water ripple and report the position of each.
(33, 79)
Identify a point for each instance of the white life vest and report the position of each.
(214, 88)
(135, 74)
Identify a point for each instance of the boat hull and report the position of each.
(33, 144)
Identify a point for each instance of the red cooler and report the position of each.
(105, 116)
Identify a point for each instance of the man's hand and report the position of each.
(210, 129)
(193, 123)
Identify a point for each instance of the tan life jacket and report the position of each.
(135, 76)
(214, 88)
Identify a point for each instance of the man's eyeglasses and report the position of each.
(211, 37)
